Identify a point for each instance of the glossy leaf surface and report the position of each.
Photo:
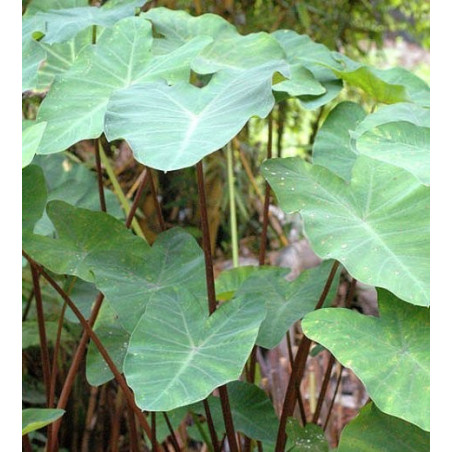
(382, 352)
(32, 132)
(377, 225)
(36, 418)
(308, 438)
(374, 431)
(185, 352)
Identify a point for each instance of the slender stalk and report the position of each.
(212, 298)
(334, 398)
(263, 244)
(28, 305)
(298, 393)
(232, 210)
(100, 184)
(45, 357)
(173, 437)
(350, 294)
(105, 355)
(157, 206)
(211, 427)
(134, 206)
(118, 190)
(298, 370)
(322, 393)
(203, 434)
(133, 433)
(26, 445)
(89, 418)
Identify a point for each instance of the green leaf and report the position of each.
(32, 54)
(382, 352)
(374, 431)
(173, 127)
(286, 302)
(308, 438)
(301, 51)
(34, 197)
(377, 225)
(31, 137)
(229, 281)
(398, 134)
(114, 338)
(75, 184)
(30, 333)
(384, 85)
(332, 146)
(36, 418)
(75, 106)
(185, 352)
(45, 5)
(64, 24)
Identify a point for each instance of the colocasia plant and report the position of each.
(185, 350)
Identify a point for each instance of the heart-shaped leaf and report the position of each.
(36, 418)
(63, 24)
(286, 302)
(398, 134)
(377, 225)
(173, 127)
(332, 146)
(186, 353)
(374, 431)
(75, 106)
(308, 438)
(382, 352)
(34, 197)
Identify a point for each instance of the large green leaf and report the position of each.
(75, 184)
(332, 146)
(286, 302)
(30, 333)
(390, 354)
(398, 134)
(374, 431)
(36, 418)
(75, 105)
(384, 85)
(302, 52)
(96, 247)
(32, 132)
(36, 6)
(186, 353)
(172, 127)
(34, 196)
(377, 225)
(63, 24)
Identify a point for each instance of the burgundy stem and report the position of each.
(45, 358)
(298, 370)
(105, 355)
(323, 389)
(136, 201)
(212, 431)
(173, 436)
(334, 397)
(100, 183)
(155, 199)
(228, 422)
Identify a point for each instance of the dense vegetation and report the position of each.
(162, 151)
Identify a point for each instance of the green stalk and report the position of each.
(232, 210)
(118, 190)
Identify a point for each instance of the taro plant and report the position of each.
(186, 350)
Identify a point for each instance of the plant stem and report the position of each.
(322, 393)
(298, 369)
(155, 446)
(212, 297)
(118, 190)
(232, 211)
(133, 208)
(45, 358)
(105, 355)
(173, 435)
(28, 305)
(334, 397)
(203, 434)
(211, 427)
(157, 206)
(100, 184)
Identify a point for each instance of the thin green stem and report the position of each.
(201, 431)
(232, 210)
(118, 190)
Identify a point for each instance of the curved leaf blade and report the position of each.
(36, 418)
(385, 351)
(377, 226)
(32, 132)
(185, 352)
(173, 127)
(374, 431)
